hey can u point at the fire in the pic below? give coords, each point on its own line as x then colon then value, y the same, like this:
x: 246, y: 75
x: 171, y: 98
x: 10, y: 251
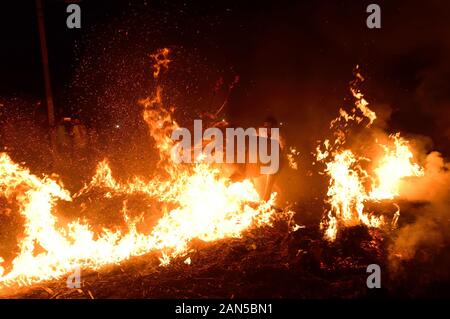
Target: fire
x: 199, y: 202
x: 351, y: 185
x: 395, y: 165
x: 346, y: 194
x: 161, y: 61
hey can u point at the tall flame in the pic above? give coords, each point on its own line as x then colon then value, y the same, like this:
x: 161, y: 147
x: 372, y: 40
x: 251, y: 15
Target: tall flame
x: 350, y: 185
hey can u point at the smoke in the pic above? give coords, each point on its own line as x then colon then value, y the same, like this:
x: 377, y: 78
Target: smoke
x: 434, y: 186
x: 431, y: 193
x: 433, y: 97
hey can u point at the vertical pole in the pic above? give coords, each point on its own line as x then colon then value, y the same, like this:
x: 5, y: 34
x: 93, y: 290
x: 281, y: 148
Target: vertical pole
x: 46, y: 71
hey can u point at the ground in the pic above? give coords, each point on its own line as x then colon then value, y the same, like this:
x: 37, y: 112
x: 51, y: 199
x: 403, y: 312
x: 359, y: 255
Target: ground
x: 268, y: 262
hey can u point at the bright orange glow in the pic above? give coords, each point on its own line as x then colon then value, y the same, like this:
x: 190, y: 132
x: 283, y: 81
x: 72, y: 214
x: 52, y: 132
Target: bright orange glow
x: 395, y: 165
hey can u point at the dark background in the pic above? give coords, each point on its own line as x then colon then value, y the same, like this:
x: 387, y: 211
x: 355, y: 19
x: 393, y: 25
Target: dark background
x: 294, y: 60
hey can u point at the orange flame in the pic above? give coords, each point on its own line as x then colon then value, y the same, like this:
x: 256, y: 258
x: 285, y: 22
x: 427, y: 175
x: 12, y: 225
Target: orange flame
x: 348, y: 191
x: 203, y: 205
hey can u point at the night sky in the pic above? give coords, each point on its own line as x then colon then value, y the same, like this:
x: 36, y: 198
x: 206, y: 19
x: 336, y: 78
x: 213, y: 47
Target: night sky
x: 294, y: 60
